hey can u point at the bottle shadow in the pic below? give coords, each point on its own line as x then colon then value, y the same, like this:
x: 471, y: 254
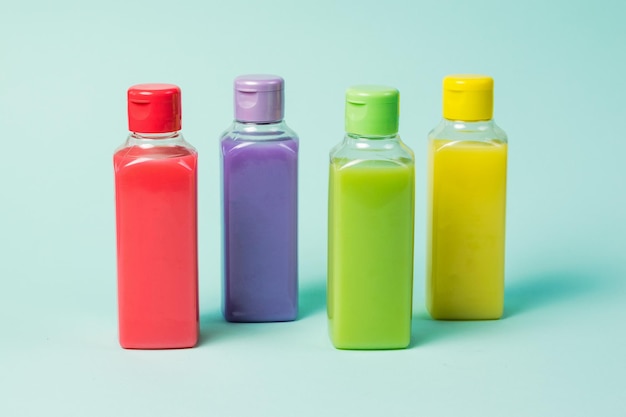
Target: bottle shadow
x: 544, y: 289
x: 521, y: 296
x: 213, y: 326
x: 312, y: 298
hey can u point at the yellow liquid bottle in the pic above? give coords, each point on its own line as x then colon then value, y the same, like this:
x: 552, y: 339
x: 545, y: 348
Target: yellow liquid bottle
x: 466, y: 205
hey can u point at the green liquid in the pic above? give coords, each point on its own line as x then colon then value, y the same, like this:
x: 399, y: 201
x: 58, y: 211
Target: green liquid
x: 370, y: 254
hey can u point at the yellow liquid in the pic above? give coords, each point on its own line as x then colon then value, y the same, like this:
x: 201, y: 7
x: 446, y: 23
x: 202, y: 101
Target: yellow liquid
x: 370, y: 254
x: 467, y: 199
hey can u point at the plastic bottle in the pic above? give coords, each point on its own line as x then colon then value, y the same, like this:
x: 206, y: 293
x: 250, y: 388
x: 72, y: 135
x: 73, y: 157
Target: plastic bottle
x: 155, y: 194
x: 260, y: 205
x: 467, y: 197
x: 370, y: 231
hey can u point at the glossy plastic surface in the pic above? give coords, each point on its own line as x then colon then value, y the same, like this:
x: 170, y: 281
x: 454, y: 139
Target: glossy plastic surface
x: 155, y: 190
x: 468, y: 97
x: 259, y: 98
x: 370, y: 243
x: 260, y: 222
x: 466, y: 221
x: 372, y: 110
x: 154, y: 108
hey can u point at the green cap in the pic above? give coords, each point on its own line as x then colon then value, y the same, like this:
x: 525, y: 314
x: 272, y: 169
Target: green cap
x: 372, y: 110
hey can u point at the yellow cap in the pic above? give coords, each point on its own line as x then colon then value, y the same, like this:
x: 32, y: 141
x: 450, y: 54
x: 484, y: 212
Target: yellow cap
x: 468, y: 97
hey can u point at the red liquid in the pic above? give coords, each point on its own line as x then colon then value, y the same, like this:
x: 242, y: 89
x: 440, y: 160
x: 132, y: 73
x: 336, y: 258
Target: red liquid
x: 157, y: 247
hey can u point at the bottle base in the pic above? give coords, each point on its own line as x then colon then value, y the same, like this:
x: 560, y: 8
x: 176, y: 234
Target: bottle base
x: 357, y: 347
x: 159, y: 343
x: 464, y: 315
x: 158, y: 346
x: 367, y: 346
x: 464, y: 318
x: 388, y: 343
x: 234, y: 317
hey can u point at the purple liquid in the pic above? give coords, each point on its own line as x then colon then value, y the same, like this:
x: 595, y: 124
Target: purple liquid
x: 260, y: 197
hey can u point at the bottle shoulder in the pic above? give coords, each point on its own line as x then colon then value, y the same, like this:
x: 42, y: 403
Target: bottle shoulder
x: 247, y: 140
x: 139, y: 150
x: 482, y: 131
x: 355, y: 150
x: 172, y: 143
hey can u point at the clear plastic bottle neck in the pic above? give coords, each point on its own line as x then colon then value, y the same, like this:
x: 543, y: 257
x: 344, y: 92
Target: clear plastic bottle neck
x: 257, y: 126
x: 355, y: 136
x: 154, y: 136
x: 156, y: 139
x: 478, y: 125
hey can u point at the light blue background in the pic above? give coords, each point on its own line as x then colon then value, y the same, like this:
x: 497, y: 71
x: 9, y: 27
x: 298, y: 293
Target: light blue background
x: 559, y: 68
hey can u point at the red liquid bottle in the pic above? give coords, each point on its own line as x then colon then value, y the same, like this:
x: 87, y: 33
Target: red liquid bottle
x: 156, y: 209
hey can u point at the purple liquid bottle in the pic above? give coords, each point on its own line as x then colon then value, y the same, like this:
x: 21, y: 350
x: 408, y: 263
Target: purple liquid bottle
x: 260, y: 205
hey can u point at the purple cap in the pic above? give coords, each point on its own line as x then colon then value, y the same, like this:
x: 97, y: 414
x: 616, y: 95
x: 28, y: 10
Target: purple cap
x: 259, y: 98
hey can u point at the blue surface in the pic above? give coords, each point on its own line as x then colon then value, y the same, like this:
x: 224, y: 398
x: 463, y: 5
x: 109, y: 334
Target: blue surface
x: 559, y: 72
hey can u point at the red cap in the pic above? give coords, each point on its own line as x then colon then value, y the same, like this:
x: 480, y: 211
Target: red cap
x: 154, y: 108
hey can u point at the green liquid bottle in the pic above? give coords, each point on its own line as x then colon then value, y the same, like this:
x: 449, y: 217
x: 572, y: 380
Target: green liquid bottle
x: 370, y: 230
